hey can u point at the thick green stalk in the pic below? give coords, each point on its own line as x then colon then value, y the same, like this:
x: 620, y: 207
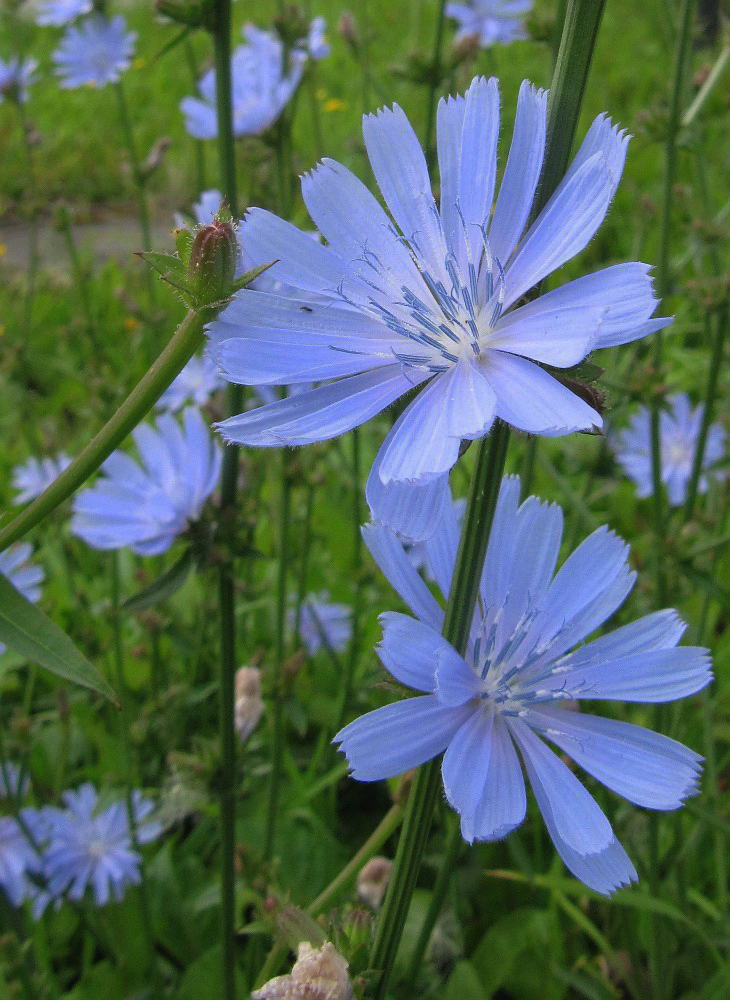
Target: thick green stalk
x: 139, y: 402
x: 481, y: 504
x: 229, y: 489
x: 664, y: 283
x: 580, y: 31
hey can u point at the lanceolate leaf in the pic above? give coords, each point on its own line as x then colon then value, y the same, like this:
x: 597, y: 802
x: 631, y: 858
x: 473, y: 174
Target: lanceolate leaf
x: 25, y: 629
x: 163, y: 587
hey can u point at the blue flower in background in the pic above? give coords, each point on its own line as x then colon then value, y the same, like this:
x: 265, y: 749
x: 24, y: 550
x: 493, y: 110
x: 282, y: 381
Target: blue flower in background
x: 24, y: 576
x: 19, y: 858
x: 323, y: 624
x: 34, y: 476
x: 512, y: 690
x: 94, y: 53
x: 317, y: 45
x: 435, y: 302
x: 204, y: 210
x: 493, y: 22
x: 16, y: 76
x: 196, y: 383
x: 56, y: 13
x: 148, y: 507
x: 679, y: 430
x: 260, y: 88
x: 92, y: 848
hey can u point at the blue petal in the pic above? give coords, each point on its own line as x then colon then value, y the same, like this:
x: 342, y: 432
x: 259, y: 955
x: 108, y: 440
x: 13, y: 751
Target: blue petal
x: 400, y: 170
x: 409, y: 650
x: 387, y: 551
x: 575, y: 814
x: 558, y: 333
x: 653, y: 676
x: 647, y: 768
x: 465, y: 765
x: 442, y: 546
x: 533, y: 401
x: 395, y: 738
x: 517, y: 191
x: 478, y: 165
x: 449, y: 127
x: 503, y: 803
x: 456, y: 682
x: 319, y: 414
x: 499, y: 562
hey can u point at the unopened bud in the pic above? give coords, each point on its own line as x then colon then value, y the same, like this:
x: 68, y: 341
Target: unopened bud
x: 347, y: 29
x: 318, y: 974
x: 213, y: 258
x: 194, y: 13
x: 373, y: 881
x: 249, y: 706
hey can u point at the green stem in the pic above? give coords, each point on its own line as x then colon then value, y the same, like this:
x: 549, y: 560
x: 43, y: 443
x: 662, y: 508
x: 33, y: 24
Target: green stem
x: 140, y: 182
x: 198, y: 145
x: 135, y: 407
x: 64, y: 225
x: 279, y: 721
x: 664, y: 282
x: 229, y: 489
x: 33, y: 235
x: 434, y: 85
x: 481, y: 504
x: 357, y: 570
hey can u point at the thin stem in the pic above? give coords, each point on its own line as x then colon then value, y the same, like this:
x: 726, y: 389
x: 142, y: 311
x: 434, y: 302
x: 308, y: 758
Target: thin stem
x: 279, y: 720
x: 433, y: 85
x: 33, y: 235
x: 357, y: 571
x: 481, y: 504
x: 304, y: 562
x: 64, y: 224
x: 229, y: 489
x: 198, y: 145
x: 135, y: 407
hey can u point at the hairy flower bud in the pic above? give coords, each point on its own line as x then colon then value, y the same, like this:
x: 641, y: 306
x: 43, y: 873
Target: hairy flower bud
x: 318, y: 974
x: 249, y: 706
x: 213, y: 257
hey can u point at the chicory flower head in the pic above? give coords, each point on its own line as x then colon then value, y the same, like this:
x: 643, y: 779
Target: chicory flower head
x: 679, y: 431
x: 57, y: 13
x: 323, y: 625
x: 16, y: 76
x: 434, y: 299
x: 513, y: 689
x: 493, y: 22
x: 19, y: 858
x: 24, y: 576
x: 260, y: 88
x: 92, y: 847
x: 196, y: 383
x: 34, y: 476
x: 317, y: 45
x: 147, y: 507
x: 94, y: 52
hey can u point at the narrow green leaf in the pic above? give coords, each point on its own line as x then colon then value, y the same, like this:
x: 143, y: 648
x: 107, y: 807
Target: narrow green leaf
x: 163, y: 587
x: 24, y: 628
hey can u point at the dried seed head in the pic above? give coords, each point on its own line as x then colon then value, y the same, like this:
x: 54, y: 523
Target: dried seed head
x: 249, y: 706
x: 373, y: 881
x: 318, y: 974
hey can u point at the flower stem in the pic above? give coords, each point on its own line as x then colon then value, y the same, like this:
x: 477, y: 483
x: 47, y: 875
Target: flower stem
x: 139, y: 179
x: 433, y: 86
x: 33, y: 234
x: 229, y: 489
x: 352, y: 654
x: 481, y: 504
x: 64, y: 224
x: 135, y: 407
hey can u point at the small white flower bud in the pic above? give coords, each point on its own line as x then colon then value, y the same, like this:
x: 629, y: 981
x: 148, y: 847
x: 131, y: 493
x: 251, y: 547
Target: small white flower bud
x: 318, y: 974
x: 373, y: 881
x: 249, y: 707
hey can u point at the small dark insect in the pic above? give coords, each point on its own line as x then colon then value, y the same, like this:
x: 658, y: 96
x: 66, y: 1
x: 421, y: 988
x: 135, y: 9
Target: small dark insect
x: 305, y: 309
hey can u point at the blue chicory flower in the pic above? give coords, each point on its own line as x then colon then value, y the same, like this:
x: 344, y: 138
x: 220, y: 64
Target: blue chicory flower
x: 260, y: 88
x: 89, y: 847
x: 493, y: 22
x: 24, y: 576
x: 514, y: 687
x: 436, y: 302
x: 204, y: 210
x: 679, y: 430
x: 196, y: 383
x: 57, y: 13
x: 34, y: 476
x: 16, y: 76
x: 94, y: 52
x: 148, y: 507
x: 317, y: 45
x: 19, y: 857
x: 322, y: 624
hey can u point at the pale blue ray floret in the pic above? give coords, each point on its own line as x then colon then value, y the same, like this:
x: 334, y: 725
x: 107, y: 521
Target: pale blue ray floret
x: 196, y: 383
x: 528, y: 661
x: 434, y: 297
x: 34, y: 476
x: 679, y: 431
x: 492, y: 22
x: 322, y: 624
x: 24, y: 576
x: 57, y: 13
x: 20, y: 860
x: 94, y: 52
x: 16, y: 76
x: 147, y: 507
x: 92, y: 847
x: 261, y: 88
